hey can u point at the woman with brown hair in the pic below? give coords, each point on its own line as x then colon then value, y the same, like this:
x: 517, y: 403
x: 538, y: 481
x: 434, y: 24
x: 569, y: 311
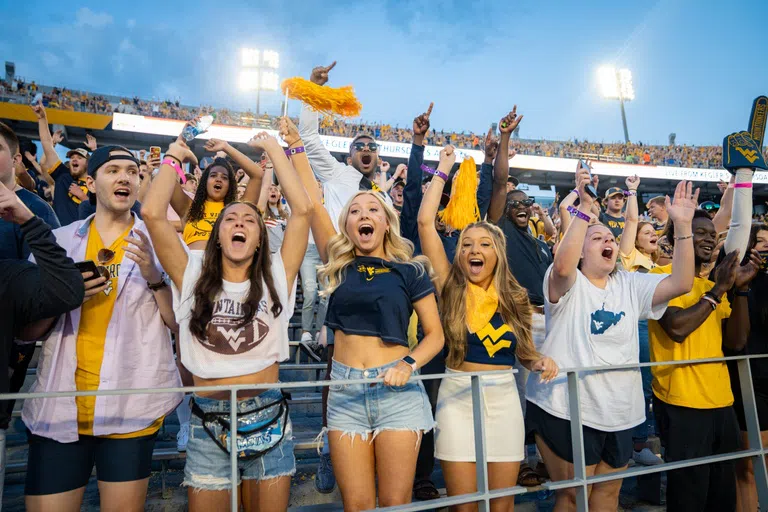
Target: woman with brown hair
x: 233, y: 306
x: 486, y: 317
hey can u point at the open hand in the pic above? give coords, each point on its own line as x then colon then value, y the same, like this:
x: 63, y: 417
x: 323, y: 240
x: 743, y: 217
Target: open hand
x: 90, y: 142
x: 57, y: 137
x: 744, y: 274
x: 76, y: 191
x: 140, y: 251
x: 684, y: 204
x: 725, y: 274
x: 491, y: 146
x: 421, y: 122
x: 319, y: 75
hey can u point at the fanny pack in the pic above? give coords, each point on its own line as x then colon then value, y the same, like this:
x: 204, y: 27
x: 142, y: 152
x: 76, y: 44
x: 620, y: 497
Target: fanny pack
x: 255, y: 436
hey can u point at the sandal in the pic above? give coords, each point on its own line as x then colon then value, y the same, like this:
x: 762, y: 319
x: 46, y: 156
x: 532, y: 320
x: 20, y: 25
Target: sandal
x: 541, y: 469
x: 528, y: 477
x: 424, y: 490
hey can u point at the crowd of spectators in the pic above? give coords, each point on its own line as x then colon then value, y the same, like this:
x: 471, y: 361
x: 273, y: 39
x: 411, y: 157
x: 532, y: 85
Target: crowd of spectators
x: 633, y: 153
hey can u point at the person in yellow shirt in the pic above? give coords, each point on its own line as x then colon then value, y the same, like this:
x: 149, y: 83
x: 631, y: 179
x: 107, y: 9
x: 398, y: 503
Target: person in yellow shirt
x: 693, y: 403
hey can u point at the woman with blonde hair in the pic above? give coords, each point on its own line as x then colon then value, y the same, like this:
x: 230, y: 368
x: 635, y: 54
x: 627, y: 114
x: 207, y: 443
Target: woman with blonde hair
x: 374, y: 283
x: 486, y: 317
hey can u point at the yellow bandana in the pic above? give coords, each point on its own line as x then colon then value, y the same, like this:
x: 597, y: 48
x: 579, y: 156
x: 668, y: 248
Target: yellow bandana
x: 481, y: 306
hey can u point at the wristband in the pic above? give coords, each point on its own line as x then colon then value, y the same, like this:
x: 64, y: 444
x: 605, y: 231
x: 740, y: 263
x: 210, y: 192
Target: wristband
x: 628, y: 193
x: 434, y: 172
x: 575, y: 191
x: 712, y: 296
x: 744, y: 293
x: 158, y: 285
x: 742, y: 185
x: 683, y: 237
x: 711, y: 301
x: 169, y: 160
x: 293, y: 151
x: 579, y: 214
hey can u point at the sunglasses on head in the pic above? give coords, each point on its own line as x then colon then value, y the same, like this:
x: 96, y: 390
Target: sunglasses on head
x: 514, y: 203
x: 359, y: 146
x: 104, y: 256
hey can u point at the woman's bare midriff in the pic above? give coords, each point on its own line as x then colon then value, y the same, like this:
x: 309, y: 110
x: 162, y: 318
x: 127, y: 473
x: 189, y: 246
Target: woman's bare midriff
x: 480, y: 367
x: 365, y: 351
x: 265, y: 376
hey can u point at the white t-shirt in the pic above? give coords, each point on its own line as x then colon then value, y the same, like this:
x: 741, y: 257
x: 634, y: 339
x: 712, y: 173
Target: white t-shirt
x: 230, y: 352
x: 590, y: 326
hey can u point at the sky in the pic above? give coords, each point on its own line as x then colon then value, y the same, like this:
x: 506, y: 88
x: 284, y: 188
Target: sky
x: 697, y: 64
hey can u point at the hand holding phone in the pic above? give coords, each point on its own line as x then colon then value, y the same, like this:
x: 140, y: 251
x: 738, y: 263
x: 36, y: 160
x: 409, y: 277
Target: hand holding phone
x: 590, y: 189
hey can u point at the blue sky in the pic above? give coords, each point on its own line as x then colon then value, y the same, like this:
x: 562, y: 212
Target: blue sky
x: 697, y: 64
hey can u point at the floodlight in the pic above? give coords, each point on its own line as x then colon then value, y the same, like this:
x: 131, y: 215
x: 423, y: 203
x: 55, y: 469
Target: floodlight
x: 250, y: 57
x: 270, y: 59
x: 249, y: 79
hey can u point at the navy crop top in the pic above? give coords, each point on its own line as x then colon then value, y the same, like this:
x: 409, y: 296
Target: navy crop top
x: 493, y: 344
x: 376, y: 298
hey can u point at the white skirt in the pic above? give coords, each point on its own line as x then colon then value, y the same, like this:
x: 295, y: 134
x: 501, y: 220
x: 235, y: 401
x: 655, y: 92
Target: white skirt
x: 504, y: 426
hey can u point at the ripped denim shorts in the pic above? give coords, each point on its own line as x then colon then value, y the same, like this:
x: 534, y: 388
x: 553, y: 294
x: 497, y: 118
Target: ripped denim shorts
x: 372, y: 408
x: 207, y: 466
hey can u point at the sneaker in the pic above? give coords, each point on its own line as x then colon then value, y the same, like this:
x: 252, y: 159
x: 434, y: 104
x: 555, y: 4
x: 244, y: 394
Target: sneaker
x: 182, y: 438
x: 325, y: 481
x: 313, y: 350
x: 646, y: 457
x: 306, y: 337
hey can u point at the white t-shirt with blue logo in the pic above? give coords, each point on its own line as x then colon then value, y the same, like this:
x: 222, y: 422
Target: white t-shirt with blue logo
x: 590, y: 326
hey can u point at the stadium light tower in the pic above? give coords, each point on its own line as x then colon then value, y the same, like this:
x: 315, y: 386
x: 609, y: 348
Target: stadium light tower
x: 259, y: 72
x: 616, y: 84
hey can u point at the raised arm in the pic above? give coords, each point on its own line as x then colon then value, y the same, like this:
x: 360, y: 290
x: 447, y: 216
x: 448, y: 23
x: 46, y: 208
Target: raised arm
x: 485, y: 188
x: 46, y: 140
x: 680, y: 212
x: 39, y: 170
x: 501, y: 167
x: 543, y: 214
x: 152, y: 164
x: 297, y: 229
x: 431, y: 245
x: 412, y: 195
x: 723, y: 215
x: 168, y: 246
x: 565, y: 265
x: 565, y: 215
x: 263, y: 201
x: 320, y: 221
x: 254, y: 171
x: 324, y: 165
x: 628, y: 237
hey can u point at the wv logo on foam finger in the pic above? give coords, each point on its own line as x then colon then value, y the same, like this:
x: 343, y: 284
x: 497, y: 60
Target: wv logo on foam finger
x: 491, y: 338
x: 750, y: 154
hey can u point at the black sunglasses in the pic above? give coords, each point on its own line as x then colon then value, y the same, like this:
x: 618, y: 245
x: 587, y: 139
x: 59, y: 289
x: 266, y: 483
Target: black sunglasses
x: 359, y: 146
x: 516, y: 204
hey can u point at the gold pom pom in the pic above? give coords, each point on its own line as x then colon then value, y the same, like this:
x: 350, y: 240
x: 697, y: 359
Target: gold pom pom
x: 462, y: 209
x: 328, y: 100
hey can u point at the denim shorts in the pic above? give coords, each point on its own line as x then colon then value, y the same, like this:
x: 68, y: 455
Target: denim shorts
x: 208, y: 466
x: 372, y: 408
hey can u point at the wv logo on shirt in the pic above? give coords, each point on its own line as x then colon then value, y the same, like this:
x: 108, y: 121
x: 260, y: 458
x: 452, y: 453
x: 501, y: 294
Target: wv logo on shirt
x: 371, y: 272
x: 232, y: 336
x: 491, y: 338
x: 602, y: 320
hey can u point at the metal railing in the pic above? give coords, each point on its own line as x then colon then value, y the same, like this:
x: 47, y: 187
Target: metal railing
x: 483, y: 495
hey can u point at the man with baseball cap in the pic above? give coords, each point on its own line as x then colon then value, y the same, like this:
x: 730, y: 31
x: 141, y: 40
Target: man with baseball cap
x: 118, y: 338
x: 512, y: 183
x: 70, y: 187
x: 612, y: 216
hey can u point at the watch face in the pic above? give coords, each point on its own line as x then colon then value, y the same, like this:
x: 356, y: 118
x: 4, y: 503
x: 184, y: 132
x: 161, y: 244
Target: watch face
x: 409, y: 360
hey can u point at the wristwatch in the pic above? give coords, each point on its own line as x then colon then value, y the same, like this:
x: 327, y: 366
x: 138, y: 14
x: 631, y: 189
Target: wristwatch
x: 160, y: 284
x: 410, y: 362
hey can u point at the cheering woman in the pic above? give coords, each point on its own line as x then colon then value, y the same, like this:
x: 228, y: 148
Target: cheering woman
x: 233, y: 305
x: 375, y: 284
x: 486, y: 317
x: 592, y: 313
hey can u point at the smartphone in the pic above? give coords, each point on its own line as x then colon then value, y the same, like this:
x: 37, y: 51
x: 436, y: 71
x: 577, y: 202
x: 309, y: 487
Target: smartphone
x: 589, y: 188
x: 88, y: 266
x: 37, y: 99
x: 154, y: 151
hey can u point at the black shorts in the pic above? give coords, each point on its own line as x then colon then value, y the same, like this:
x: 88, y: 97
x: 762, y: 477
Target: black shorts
x: 55, y: 467
x: 613, y: 448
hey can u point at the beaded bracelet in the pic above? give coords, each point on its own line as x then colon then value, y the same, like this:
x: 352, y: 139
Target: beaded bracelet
x: 434, y: 172
x: 579, y: 214
x: 711, y: 301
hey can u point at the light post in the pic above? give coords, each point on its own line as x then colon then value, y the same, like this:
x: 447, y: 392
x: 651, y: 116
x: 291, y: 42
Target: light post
x: 259, y: 72
x: 616, y: 84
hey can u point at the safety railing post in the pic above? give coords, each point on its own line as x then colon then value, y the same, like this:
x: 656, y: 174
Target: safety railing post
x: 481, y: 460
x: 753, y: 431
x: 233, y: 473
x: 577, y: 442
